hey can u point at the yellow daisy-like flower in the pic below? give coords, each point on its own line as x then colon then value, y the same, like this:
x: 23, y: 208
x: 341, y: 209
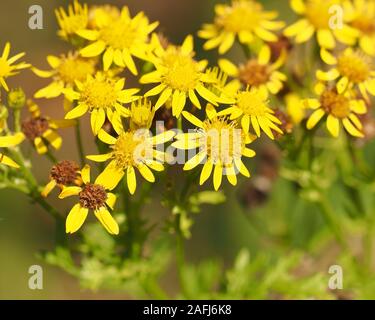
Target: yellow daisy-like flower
x: 101, y: 16
x: 251, y: 106
x: 92, y: 196
x: 339, y: 108
x: 72, y: 21
x: 8, y: 142
x: 352, y: 69
x: 63, y: 174
x: 317, y: 15
x: 120, y: 40
x: 221, y: 87
x: 66, y: 69
x: 141, y: 114
x: 102, y: 96
x: 260, y: 72
x: 130, y: 150
x: 245, y: 19
x: 7, y: 66
x: 42, y: 131
x: 179, y: 75
x: 362, y: 18
x: 221, y: 143
x: 295, y: 107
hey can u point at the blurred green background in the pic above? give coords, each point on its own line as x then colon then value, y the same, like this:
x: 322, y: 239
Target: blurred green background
x: 218, y: 231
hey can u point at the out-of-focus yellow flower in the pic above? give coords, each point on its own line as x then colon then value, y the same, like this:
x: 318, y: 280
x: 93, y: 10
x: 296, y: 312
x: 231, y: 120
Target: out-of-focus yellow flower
x: 9, y: 141
x: 42, y: 131
x: 220, y: 85
x: 362, y: 18
x: 102, y: 96
x: 92, y: 196
x: 63, y: 174
x: 72, y: 21
x: 316, y: 18
x: 259, y: 72
x: 101, y: 16
x: 130, y: 150
x: 66, y: 69
x: 245, y: 19
x: 120, y: 41
x: 295, y: 107
x: 251, y: 106
x: 179, y: 76
x: 141, y: 114
x: 222, y: 144
x: 351, y: 69
x: 339, y: 108
x: 7, y: 66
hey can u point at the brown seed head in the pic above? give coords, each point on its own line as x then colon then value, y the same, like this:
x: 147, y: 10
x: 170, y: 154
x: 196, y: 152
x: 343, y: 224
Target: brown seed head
x: 93, y: 196
x: 65, y: 172
x: 34, y: 127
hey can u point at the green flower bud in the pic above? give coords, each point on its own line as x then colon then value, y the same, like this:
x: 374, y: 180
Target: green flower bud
x: 16, y: 98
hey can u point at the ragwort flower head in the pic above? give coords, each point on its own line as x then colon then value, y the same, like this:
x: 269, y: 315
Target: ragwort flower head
x: 251, y: 109
x: 120, y: 41
x: 245, y: 19
x: 7, y: 66
x: 316, y: 19
x: 42, y: 131
x: 63, y: 174
x: 259, y: 72
x: 92, y: 196
x: 142, y: 114
x: 66, y: 69
x: 102, y: 16
x: 72, y: 21
x: 339, y: 108
x: 179, y: 76
x: 362, y: 18
x: 351, y: 69
x: 221, y: 143
x: 102, y: 96
x: 130, y: 150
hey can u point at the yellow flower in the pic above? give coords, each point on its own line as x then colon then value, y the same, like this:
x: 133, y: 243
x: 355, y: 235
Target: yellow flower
x: 63, y: 174
x: 141, y: 114
x: 42, y: 130
x: 221, y: 143
x: 260, y: 72
x: 295, y: 107
x: 102, y: 96
x: 7, y: 142
x: 131, y: 149
x: 362, y: 13
x: 316, y: 18
x: 243, y: 18
x: 72, y: 21
x: 351, y: 69
x: 101, y: 16
x: 179, y: 76
x: 120, y: 40
x: 338, y: 108
x: 7, y: 69
x: 251, y: 106
x: 66, y: 69
x: 221, y: 87
x: 92, y: 196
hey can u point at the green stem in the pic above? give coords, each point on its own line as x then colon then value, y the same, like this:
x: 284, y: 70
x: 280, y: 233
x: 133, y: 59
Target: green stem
x: 369, y: 243
x: 180, y: 254
x: 34, y: 192
x: 333, y: 223
x: 51, y: 157
x: 79, y: 142
x: 17, y: 120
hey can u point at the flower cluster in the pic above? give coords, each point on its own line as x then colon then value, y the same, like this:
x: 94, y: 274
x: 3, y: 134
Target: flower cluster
x: 122, y: 74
